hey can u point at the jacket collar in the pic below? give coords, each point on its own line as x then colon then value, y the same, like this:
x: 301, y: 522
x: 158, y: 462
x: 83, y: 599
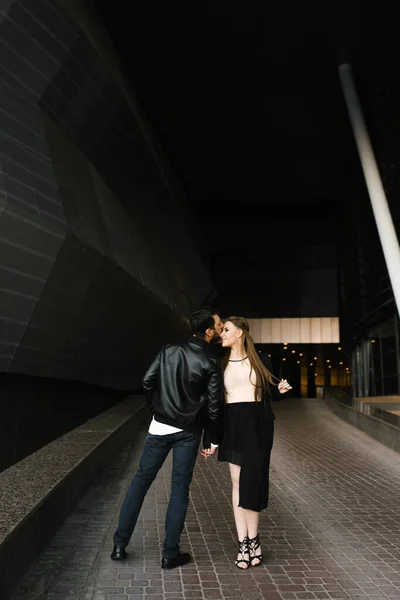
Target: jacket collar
x: 199, y: 341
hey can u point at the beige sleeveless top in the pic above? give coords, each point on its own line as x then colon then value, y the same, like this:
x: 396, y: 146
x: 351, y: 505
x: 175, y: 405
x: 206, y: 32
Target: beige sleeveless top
x: 238, y: 386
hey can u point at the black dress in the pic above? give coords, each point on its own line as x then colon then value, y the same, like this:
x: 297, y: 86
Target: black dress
x: 247, y: 442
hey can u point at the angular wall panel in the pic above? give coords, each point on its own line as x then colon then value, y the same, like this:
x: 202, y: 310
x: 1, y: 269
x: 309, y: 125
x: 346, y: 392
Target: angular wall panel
x: 97, y: 263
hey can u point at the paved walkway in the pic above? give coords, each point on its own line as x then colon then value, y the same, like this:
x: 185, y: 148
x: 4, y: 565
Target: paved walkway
x: 331, y: 530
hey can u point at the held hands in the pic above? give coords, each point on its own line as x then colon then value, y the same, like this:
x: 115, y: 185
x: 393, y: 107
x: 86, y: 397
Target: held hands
x: 207, y: 452
x: 284, y: 386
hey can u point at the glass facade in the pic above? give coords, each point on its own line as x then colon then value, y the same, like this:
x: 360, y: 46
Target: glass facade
x: 309, y: 367
x: 368, y: 312
x: 376, y: 361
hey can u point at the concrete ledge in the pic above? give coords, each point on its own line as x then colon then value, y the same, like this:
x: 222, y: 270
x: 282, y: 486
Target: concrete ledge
x: 37, y: 493
x: 356, y: 413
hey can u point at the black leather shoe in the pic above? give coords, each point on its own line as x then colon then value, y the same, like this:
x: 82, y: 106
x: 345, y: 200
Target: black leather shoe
x: 183, y: 558
x: 118, y: 553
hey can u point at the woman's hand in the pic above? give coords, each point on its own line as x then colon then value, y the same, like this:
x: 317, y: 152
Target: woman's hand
x: 207, y: 452
x: 284, y: 386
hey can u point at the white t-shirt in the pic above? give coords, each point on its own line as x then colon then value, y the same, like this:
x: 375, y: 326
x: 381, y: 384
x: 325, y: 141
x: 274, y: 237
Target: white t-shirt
x: 157, y: 428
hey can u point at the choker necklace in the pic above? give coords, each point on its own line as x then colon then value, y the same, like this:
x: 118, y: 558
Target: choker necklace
x: 239, y: 359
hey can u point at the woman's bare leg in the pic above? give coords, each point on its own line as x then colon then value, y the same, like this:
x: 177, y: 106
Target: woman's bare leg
x: 238, y: 512
x: 252, y: 518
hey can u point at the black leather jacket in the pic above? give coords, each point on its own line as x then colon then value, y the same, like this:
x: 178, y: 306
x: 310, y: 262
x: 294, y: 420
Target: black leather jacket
x: 184, y: 388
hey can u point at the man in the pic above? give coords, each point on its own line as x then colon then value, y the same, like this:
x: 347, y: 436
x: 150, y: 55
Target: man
x: 184, y: 390
x: 216, y: 345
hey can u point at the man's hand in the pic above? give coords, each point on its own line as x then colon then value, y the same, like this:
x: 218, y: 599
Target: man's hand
x: 207, y: 452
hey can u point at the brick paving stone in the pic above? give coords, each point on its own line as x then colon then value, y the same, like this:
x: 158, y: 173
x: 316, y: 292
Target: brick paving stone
x: 332, y: 530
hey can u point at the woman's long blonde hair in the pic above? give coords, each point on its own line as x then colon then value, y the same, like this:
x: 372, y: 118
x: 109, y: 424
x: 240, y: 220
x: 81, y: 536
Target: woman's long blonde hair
x: 264, y: 378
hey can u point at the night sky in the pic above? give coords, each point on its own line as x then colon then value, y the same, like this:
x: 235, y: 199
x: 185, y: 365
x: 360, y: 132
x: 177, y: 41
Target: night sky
x: 245, y: 100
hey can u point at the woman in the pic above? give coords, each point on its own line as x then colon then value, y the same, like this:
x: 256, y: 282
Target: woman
x: 248, y: 434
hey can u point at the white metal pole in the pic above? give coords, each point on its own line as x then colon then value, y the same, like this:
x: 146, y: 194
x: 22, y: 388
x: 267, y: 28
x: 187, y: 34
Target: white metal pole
x: 383, y: 218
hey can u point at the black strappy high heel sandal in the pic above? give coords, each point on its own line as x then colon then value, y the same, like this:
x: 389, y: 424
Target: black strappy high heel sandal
x: 254, y: 544
x: 243, y: 550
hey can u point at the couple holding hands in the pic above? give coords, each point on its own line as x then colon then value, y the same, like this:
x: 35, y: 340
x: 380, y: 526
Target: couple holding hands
x: 222, y: 392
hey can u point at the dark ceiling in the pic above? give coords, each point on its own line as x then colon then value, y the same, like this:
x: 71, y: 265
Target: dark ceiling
x: 246, y: 101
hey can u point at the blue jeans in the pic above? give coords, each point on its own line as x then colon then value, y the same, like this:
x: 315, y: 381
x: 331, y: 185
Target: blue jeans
x: 185, y: 448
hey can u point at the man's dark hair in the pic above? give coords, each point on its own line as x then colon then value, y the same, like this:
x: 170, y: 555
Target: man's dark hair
x: 200, y: 320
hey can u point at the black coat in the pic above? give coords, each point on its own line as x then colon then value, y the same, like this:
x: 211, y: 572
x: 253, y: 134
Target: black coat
x: 274, y: 396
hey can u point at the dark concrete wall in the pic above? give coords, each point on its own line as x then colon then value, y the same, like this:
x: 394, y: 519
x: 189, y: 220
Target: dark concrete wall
x: 34, y: 411
x: 97, y: 262
x: 39, y: 492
